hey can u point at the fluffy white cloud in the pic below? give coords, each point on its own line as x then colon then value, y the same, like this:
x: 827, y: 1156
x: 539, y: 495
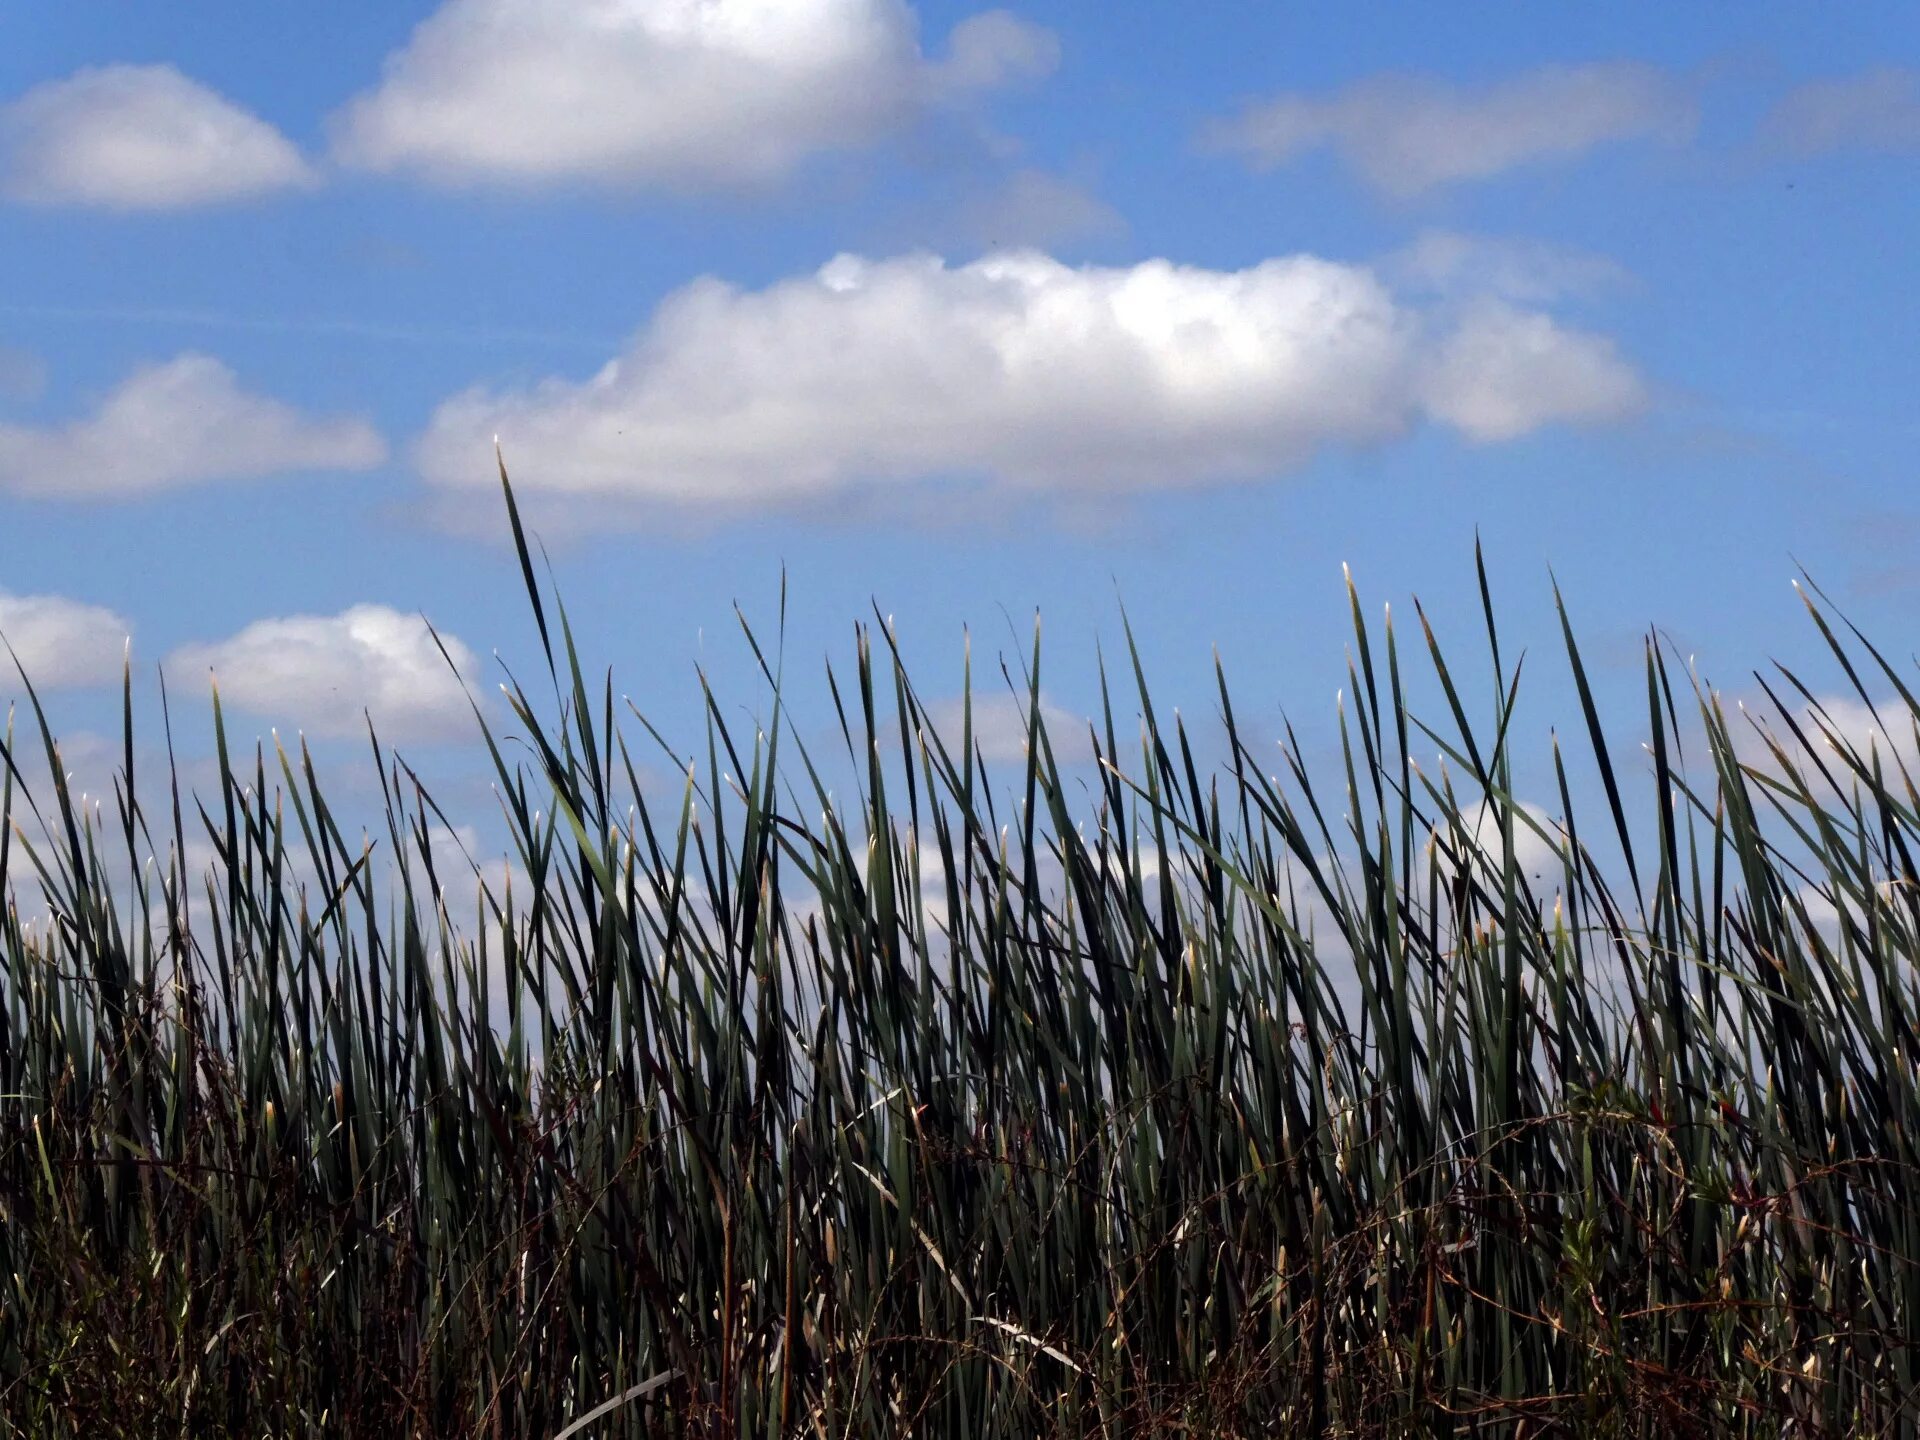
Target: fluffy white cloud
x: 1021, y: 370
x: 1537, y: 861
x: 691, y: 93
x: 61, y: 642
x: 1504, y: 372
x: 175, y: 424
x: 324, y: 673
x: 1840, y: 730
x: 139, y: 137
x: 1406, y: 134
x: 1000, y: 728
x: 1877, y: 109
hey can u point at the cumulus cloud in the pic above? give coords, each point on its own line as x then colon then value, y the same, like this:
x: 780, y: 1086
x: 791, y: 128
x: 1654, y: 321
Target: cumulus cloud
x: 176, y: 424
x: 1000, y: 728
x: 1877, y: 109
x: 1504, y: 372
x: 1021, y: 371
x: 1840, y: 731
x: 1535, y: 859
x: 62, y: 643
x: 688, y: 93
x: 324, y: 673
x: 139, y: 137
x: 1407, y: 134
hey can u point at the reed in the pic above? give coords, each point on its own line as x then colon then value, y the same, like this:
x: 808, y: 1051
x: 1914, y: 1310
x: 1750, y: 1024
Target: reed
x: 1192, y: 1101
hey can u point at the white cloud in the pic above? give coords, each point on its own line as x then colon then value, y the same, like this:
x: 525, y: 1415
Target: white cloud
x: 463, y: 861
x: 1877, y: 109
x: 176, y: 424
x: 321, y: 672
x: 1017, y: 369
x: 62, y: 643
x: 1504, y: 372
x: 1848, y: 723
x: 1836, y: 913
x: 1407, y: 134
x: 690, y: 93
x: 1000, y: 728
x: 1535, y: 860
x: 1838, y: 730
x: 139, y: 137
x: 88, y: 761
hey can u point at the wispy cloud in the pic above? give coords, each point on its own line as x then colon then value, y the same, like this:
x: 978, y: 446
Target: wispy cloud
x: 23, y: 375
x: 1876, y: 109
x: 1524, y: 271
x: 1037, y: 208
x: 170, y: 317
x: 1407, y: 135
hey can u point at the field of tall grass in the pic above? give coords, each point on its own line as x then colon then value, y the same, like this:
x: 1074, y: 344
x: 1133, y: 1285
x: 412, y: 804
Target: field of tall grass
x: 1192, y: 1100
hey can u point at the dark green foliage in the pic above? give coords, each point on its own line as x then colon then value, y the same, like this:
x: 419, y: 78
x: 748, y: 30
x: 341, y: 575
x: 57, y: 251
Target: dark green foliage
x: 1191, y: 1104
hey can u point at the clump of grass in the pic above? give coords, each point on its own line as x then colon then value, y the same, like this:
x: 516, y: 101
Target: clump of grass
x: 1206, y: 1103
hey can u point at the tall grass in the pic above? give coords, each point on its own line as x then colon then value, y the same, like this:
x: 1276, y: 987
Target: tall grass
x: 1191, y: 1101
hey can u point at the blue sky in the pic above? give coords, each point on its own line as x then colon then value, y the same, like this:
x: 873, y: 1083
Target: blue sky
x: 1179, y: 308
